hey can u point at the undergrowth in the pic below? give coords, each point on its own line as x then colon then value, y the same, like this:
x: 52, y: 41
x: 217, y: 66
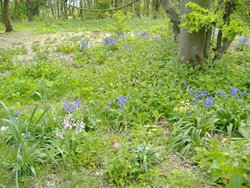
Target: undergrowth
x: 119, y: 111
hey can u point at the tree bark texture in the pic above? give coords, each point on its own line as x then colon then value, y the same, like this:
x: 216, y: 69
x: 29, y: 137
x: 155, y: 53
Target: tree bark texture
x: 173, y: 15
x: 192, y: 45
x: 6, y: 17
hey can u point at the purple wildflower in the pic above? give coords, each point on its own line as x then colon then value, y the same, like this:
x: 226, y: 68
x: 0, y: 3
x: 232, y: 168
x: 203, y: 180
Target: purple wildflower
x: 115, y: 144
x: 145, y: 35
x: 84, y: 45
x: 157, y: 36
x: 78, y: 103
x: 196, y: 97
x: 204, y: 94
x: 244, y: 93
x: 16, y: 112
x: 208, y: 102
x: 122, y: 100
x: 109, y: 41
x: 15, y: 119
x: 191, y: 91
x: 109, y: 101
x: 122, y: 35
x: 69, y: 106
x: 234, y: 91
x: 184, y: 82
x: 220, y: 92
x: 26, y: 134
x: 108, y: 108
x: 243, y: 40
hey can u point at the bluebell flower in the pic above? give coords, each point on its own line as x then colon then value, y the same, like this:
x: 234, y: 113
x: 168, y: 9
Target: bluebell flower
x: 220, y: 92
x: 145, y: 35
x: 109, y: 101
x: 26, y: 134
x: 109, y: 41
x: 121, y: 35
x: 234, y: 91
x: 157, y: 36
x: 15, y: 119
x: 69, y: 106
x: 244, y: 93
x: 196, y: 97
x: 208, y: 102
x: 204, y: 94
x: 84, y: 45
x: 122, y: 100
x: 184, y: 82
x: 78, y: 103
x: 243, y: 40
x: 16, y: 112
x: 191, y: 91
x: 108, y: 108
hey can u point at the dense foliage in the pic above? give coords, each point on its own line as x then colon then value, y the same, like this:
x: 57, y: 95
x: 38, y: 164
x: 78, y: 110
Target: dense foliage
x: 105, y: 109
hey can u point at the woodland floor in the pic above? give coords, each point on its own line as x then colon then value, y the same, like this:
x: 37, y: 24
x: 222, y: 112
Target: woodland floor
x: 28, y: 39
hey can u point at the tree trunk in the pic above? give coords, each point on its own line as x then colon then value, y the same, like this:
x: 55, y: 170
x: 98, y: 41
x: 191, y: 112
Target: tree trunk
x: 30, y: 12
x: 81, y: 6
x: 6, y: 17
x: 192, y: 45
x: 1, y: 4
x: 146, y: 7
x: 173, y: 15
x: 157, y: 5
x: 138, y: 9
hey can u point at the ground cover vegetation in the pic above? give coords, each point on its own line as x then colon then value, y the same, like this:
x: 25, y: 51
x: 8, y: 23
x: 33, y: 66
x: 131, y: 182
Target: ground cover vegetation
x: 103, y: 103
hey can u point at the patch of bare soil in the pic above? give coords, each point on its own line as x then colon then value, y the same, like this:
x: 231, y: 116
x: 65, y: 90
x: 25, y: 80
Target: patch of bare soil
x: 46, y: 41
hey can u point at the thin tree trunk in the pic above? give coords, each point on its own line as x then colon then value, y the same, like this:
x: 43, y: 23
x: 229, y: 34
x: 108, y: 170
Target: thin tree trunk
x: 81, y: 6
x: 1, y: 4
x: 157, y: 5
x: 30, y: 14
x: 115, y: 3
x: 146, y: 7
x: 58, y: 9
x: 6, y: 17
x: 138, y: 9
x: 222, y: 50
x: 208, y: 42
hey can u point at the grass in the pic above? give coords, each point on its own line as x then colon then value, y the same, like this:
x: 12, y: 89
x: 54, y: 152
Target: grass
x: 99, y: 25
x: 120, y: 114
